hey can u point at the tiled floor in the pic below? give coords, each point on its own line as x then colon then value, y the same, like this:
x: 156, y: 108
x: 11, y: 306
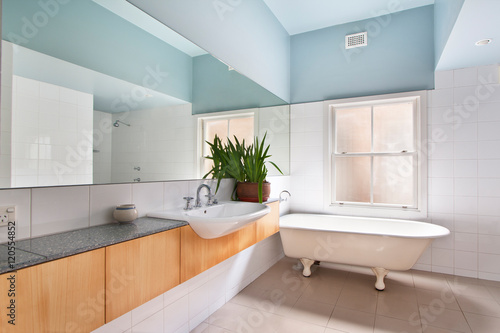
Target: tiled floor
x: 335, y: 301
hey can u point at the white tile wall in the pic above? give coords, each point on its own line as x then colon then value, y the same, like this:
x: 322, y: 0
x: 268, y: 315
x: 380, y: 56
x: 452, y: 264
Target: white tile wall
x: 51, y: 140
x: 58, y: 209
x: 465, y: 182
x: 103, y: 200
x: 306, y: 157
x: 6, y: 114
x: 159, y: 141
x: 102, y: 147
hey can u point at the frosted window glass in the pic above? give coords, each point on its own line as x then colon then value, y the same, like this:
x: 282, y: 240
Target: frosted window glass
x: 393, y: 180
x: 242, y: 128
x: 352, y: 179
x: 353, y: 130
x: 216, y: 127
x: 393, y: 127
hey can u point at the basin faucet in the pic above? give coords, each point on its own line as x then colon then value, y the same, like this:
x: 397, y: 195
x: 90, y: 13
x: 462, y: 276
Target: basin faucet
x: 210, y: 196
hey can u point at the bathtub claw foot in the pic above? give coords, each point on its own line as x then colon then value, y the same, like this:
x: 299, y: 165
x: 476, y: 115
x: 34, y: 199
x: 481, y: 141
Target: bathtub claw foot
x: 380, y: 273
x: 307, y: 266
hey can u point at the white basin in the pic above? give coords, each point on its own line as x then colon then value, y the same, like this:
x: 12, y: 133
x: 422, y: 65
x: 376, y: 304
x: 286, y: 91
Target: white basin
x: 218, y: 220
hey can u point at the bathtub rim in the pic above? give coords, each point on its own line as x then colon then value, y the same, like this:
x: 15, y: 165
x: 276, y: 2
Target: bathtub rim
x: 440, y: 231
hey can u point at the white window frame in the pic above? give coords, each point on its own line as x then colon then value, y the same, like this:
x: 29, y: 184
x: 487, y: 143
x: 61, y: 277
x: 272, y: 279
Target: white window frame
x: 225, y: 115
x: 419, y: 209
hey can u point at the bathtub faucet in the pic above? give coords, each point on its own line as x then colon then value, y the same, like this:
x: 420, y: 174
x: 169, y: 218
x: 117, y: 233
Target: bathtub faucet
x: 284, y: 199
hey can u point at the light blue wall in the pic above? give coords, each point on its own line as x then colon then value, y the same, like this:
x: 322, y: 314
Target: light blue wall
x: 399, y: 57
x: 215, y: 88
x: 99, y: 40
x: 243, y: 33
x: 445, y: 15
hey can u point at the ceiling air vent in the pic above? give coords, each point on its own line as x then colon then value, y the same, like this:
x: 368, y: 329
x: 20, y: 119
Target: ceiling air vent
x: 356, y: 40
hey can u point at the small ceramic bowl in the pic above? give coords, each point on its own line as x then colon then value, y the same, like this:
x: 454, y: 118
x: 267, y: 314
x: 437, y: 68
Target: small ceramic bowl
x: 125, y: 213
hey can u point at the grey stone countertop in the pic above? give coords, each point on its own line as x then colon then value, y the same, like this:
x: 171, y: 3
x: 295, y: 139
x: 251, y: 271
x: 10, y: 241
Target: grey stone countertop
x: 34, y: 251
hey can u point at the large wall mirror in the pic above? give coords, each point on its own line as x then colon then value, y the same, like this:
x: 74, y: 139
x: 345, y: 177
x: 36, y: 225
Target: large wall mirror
x: 96, y: 91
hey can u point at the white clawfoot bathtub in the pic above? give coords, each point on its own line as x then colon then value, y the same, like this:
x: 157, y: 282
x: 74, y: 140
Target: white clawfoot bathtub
x: 382, y: 244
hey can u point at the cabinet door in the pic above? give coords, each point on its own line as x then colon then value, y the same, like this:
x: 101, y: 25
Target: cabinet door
x: 139, y: 270
x: 269, y: 224
x: 64, y: 295
x: 199, y: 254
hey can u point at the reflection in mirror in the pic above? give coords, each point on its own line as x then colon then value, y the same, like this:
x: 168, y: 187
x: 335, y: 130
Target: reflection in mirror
x: 96, y: 91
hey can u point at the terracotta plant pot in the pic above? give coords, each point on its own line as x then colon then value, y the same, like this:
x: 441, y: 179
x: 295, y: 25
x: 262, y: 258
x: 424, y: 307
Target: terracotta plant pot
x: 250, y: 191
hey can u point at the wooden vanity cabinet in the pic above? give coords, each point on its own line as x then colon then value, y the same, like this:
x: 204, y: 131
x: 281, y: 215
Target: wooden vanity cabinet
x: 140, y: 270
x: 199, y: 254
x: 65, y: 295
x: 269, y: 224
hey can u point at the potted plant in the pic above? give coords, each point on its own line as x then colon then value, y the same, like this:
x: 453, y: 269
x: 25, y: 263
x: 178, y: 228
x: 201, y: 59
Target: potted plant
x: 247, y: 165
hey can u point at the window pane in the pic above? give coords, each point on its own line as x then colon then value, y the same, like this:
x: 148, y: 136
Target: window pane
x: 352, y: 179
x: 213, y: 127
x: 393, y: 127
x: 242, y: 128
x: 353, y: 132
x: 393, y: 180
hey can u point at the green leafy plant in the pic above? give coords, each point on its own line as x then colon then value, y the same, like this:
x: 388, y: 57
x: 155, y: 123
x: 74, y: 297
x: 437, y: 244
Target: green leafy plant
x: 235, y: 160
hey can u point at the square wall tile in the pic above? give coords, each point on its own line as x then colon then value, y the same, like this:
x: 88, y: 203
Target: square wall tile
x: 489, y: 244
x: 59, y: 209
x: 104, y: 199
x: 173, y: 193
x: 176, y: 314
x: 442, y: 257
x: 465, y: 77
x: 465, y: 205
x: 488, y: 74
x: 443, y: 79
x: 466, y: 242
x: 466, y: 223
x: 488, y: 225
x: 489, y: 263
x: 148, y: 197
x: 465, y: 168
x: 21, y: 198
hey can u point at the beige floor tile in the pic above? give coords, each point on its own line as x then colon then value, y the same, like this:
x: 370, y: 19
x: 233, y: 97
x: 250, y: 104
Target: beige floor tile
x: 205, y: 328
x: 231, y: 316
x: 311, y: 312
x: 430, y: 281
x: 398, y: 308
x: 437, y: 299
x: 364, y: 283
x: 468, y: 287
x: 431, y: 329
x: 404, y: 278
x: 282, y: 324
x: 490, y: 283
x: 348, y: 320
x: 483, y: 324
x: 444, y: 318
x: 495, y: 292
x: 391, y: 325
x: 323, y: 293
x: 358, y: 300
x: 331, y: 330
x: 398, y: 292
x: 478, y: 305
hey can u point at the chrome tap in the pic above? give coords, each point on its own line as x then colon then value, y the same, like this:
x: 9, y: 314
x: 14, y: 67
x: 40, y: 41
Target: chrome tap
x: 285, y: 199
x: 210, y: 196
